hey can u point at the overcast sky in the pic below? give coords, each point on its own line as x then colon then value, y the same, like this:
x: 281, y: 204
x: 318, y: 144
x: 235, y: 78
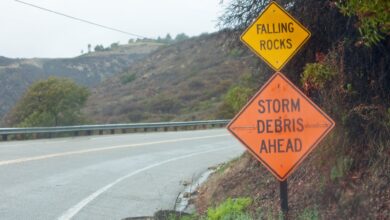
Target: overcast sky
x: 30, y: 32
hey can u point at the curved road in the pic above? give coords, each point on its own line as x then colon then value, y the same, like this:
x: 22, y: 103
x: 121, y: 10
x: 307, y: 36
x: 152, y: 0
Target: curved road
x: 105, y: 177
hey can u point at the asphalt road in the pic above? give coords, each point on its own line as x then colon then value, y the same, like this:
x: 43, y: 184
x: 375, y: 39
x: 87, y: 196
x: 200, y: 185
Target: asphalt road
x: 105, y: 177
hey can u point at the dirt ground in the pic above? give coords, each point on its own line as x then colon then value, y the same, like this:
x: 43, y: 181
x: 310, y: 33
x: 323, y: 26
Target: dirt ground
x: 312, y: 193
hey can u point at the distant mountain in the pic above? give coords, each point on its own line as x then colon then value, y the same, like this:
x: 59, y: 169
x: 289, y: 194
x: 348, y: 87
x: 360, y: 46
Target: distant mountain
x: 89, y: 69
x: 180, y: 81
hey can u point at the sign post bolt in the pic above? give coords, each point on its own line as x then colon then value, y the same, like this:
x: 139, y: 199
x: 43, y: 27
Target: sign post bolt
x: 284, y: 199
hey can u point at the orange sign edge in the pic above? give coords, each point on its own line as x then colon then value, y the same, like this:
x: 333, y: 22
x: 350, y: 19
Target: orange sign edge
x: 296, y: 165
x: 293, y: 54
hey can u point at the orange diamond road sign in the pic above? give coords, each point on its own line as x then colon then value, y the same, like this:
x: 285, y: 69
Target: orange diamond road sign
x: 275, y: 36
x: 280, y: 126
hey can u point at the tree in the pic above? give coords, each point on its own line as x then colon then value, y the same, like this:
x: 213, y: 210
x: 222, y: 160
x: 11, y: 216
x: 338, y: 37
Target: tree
x: 51, y: 102
x: 114, y: 45
x: 99, y: 48
x: 167, y: 39
x: 240, y: 13
x: 181, y: 37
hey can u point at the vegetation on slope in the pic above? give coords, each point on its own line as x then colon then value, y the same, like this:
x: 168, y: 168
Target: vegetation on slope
x: 347, y: 176
x: 16, y: 75
x: 181, y: 81
x: 51, y: 102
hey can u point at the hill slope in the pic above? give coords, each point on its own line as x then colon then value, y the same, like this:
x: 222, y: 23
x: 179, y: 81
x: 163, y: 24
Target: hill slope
x: 89, y: 70
x: 347, y: 176
x: 181, y: 81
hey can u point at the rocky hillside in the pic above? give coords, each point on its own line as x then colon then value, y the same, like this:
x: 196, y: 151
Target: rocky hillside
x: 88, y: 69
x: 181, y: 81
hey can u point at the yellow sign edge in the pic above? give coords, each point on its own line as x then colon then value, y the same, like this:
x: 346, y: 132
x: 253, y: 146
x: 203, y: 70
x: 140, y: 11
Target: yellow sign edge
x: 290, y: 16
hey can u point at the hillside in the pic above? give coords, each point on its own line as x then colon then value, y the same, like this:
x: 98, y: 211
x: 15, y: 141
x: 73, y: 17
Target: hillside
x: 181, y: 81
x: 88, y: 69
x: 348, y: 75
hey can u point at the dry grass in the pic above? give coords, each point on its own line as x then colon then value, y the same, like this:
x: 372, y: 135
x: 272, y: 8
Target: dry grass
x: 181, y: 81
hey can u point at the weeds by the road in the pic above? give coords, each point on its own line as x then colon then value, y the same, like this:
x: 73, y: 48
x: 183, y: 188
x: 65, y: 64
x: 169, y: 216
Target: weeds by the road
x: 230, y: 209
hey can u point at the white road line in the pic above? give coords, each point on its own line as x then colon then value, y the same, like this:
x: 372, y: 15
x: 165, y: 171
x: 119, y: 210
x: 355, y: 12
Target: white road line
x: 4, y: 145
x: 116, y: 136
x: 47, y: 156
x: 70, y: 213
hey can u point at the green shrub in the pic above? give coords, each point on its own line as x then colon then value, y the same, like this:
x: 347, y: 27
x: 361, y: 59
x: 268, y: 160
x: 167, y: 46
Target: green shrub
x: 373, y: 18
x: 163, y: 104
x: 127, y: 78
x: 237, y: 97
x: 234, y: 100
x: 316, y: 75
x: 235, y: 52
x: 341, y: 167
x: 231, y: 209
x: 136, y: 116
x: 51, y: 102
x: 309, y: 214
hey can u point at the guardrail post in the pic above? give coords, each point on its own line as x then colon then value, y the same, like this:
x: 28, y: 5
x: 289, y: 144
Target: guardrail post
x: 100, y: 132
x: 165, y: 128
x: 76, y: 133
x: 124, y: 131
x: 4, y: 137
x: 89, y: 132
x: 112, y: 131
x: 145, y: 129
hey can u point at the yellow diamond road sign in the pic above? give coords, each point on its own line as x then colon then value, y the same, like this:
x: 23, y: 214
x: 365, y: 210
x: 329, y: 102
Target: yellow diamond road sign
x: 275, y: 36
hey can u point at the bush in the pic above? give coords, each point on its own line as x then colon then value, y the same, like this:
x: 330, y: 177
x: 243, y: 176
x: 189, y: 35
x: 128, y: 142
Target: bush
x: 136, y: 116
x: 231, y: 209
x: 233, y: 101
x: 128, y: 78
x: 316, y: 75
x: 342, y: 166
x: 162, y: 104
x: 309, y: 214
x: 373, y: 18
x: 51, y: 102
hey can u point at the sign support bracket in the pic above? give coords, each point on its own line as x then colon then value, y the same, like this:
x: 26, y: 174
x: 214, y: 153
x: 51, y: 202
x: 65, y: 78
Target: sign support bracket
x: 284, y: 198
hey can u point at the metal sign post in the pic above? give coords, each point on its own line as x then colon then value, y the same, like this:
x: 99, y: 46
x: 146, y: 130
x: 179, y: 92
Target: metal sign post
x: 284, y: 198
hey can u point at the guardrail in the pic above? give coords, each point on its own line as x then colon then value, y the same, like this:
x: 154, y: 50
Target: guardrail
x: 22, y: 133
